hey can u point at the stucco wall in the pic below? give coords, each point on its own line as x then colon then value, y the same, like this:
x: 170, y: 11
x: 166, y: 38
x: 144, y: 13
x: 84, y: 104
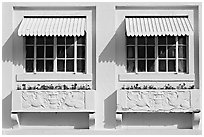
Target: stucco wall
x: 108, y: 56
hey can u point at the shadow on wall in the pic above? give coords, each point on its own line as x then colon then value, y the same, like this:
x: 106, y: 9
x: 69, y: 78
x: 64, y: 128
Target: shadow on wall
x: 106, y: 56
x: 110, y: 110
x: 179, y: 120
x: 7, y: 61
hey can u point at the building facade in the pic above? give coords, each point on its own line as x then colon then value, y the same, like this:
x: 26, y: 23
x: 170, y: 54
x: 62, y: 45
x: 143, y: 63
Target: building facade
x: 101, y: 65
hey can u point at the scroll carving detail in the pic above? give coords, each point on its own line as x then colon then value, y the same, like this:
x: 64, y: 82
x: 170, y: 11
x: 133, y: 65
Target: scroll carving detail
x: 53, y: 100
x: 158, y: 100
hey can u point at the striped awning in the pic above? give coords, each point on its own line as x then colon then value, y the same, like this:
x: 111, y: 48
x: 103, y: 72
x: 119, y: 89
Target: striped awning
x: 158, y: 26
x: 43, y: 26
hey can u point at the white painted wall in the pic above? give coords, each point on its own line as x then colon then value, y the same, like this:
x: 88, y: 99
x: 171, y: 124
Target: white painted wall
x: 108, y: 56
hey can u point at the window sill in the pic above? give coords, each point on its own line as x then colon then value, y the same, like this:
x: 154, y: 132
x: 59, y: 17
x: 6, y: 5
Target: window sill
x: 155, y: 77
x: 53, y: 77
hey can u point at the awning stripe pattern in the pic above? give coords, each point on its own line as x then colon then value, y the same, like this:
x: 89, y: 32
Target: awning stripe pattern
x: 158, y: 26
x: 52, y: 27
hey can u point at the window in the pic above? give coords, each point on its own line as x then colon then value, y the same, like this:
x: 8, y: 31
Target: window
x: 157, y: 54
x: 55, y: 54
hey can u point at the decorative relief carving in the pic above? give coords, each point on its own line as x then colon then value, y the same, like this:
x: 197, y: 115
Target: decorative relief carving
x: 53, y: 100
x: 158, y: 100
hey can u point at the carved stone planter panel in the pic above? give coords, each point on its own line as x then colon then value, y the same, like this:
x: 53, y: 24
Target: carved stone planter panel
x: 157, y: 101
x: 54, y: 100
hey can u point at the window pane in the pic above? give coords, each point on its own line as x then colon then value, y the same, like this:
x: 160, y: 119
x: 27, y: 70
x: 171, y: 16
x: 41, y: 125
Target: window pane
x: 60, y: 40
x: 141, y: 65
x: 171, y: 40
x: 49, y: 65
x: 141, y: 51
x: 49, y: 52
x: 60, y: 51
x: 40, y: 52
x: 60, y: 65
x: 80, y: 51
x: 150, y: 51
x: 161, y: 40
x: 162, y: 52
x: 70, y: 51
x: 70, y: 66
x: 150, y: 40
x: 171, y: 65
x: 29, y: 52
x: 150, y: 65
x: 130, y: 66
x: 81, y: 40
x: 29, y: 40
x: 49, y: 40
x: 162, y: 65
x: 39, y: 65
x: 69, y: 40
x: 141, y: 40
x: 29, y: 65
x: 182, y: 65
x: 130, y: 40
x: 130, y: 51
x: 182, y: 52
x: 80, y: 65
x: 40, y: 40
x: 182, y: 40
x: 171, y: 51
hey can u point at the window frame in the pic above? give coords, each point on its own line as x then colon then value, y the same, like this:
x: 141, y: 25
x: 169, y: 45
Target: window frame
x: 156, y: 56
x: 55, y: 57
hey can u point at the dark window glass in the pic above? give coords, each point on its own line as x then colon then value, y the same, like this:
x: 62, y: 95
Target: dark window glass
x: 182, y: 40
x: 162, y: 52
x: 182, y: 52
x: 49, y: 66
x: 60, y: 65
x: 69, y: 40
x: 70, y: 51
x: 81, y: 40
x: 40, y: 41
x: 29, y: 65
x: 40, y: 52
x: 49, y: 40
x: 60, y: 51
x: 29, y: 51
x: 162, y: 65
x: 141, y: 65
x: 70, y: 65
x: 130, y: 52
x: 130, y: 40
x: 80, y: 65
x: 171, y: 65
x: 49, y: 52
x: 171, y: 40
x: 29, y: 40
x: 171, y: 51
x: 141, y: 51
x: 60, y: 40
x: 182, y: 65
x: 151, y: 40
x: 150, y: 51
x: 150, y: 65
x: 141, y: 40
x: 39, y: 65
x: 80, y: 51
x: 161, y: 40
x: 130, y: 66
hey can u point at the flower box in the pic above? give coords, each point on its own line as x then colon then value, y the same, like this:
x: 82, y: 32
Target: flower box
x: 157, y: 100
x: 53, y: 101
